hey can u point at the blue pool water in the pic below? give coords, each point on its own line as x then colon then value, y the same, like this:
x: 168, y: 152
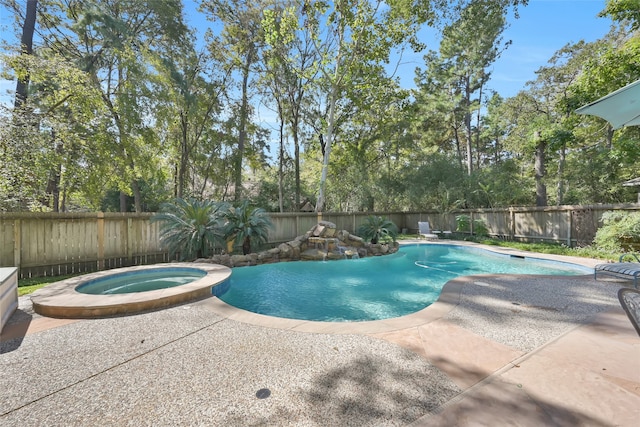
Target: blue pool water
x: 370, y: 288
x: 141, y: 281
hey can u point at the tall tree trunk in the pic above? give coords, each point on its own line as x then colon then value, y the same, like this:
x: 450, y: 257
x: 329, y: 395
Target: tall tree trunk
x: 184, y: 155
x: 336, y: 80
x: 63, y: 201
x: 327, y: 148
x: 296, y: 150
x: 541, y: 189
x: 137, y: 195
x: 281, y: 165
x: 55, y: 174
x: 456, y: 137
x: 467, y: 125
x: 26, y: 42
x: 123, y: 201
x: 242, y: 132
x: 477, y: 132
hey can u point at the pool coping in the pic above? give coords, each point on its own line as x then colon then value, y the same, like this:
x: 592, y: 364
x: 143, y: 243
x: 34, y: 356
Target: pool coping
x: 61, y: 300
x: 449, y: 298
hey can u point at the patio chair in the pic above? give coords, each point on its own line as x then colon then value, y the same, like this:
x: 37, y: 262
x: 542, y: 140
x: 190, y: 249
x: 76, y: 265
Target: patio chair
x: 625, y: 270
x: 630, y: 302
x: 425, y: 231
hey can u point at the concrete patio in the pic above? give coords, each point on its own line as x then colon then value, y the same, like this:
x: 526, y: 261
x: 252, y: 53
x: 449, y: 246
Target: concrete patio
x: 494, y: 350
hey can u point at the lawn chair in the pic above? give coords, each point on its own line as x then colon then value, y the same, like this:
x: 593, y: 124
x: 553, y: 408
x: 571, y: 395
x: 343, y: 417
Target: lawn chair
x: 626, y: 270
x: 630, y: 302
x: 425, y: 231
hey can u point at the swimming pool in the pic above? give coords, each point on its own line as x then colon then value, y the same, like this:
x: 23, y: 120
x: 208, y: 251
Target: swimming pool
x: 371, y: 288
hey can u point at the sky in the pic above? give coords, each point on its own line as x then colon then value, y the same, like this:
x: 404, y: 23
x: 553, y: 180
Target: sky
x: 544, y: 26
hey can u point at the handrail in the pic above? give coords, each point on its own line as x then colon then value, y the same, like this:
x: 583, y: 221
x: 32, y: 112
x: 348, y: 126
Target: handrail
x: 635, y: 255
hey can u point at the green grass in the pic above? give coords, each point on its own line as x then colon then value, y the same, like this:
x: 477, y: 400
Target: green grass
x: 550, y: 248
x: 539, y: 247
x: 32, y: 284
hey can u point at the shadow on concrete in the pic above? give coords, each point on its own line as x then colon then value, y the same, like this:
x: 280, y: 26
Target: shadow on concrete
x: 370, y: 390
x: 497, y: 402
x: 14, y: 331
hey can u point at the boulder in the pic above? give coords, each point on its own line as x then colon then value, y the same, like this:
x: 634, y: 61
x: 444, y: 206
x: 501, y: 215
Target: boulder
x: 321, y: 242
x: 285, y: 250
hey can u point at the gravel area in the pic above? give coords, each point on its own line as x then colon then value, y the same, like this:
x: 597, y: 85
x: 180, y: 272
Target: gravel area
x: 186, y: 366
x: 525, y: 312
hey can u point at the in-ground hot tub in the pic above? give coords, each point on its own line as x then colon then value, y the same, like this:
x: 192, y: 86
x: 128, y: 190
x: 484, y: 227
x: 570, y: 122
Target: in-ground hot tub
x: 130, y: 290
x: 141, y: 280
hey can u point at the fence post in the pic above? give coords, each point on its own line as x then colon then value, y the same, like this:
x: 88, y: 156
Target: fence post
x: 512, y: 228
x: 471, y: 223
x: 129, y: 241
x: 100, y: 225
x: 17, y: 244
x: 570, y: 226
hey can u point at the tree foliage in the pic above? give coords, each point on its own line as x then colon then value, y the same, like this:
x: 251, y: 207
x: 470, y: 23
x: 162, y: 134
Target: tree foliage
x: 126, y: 107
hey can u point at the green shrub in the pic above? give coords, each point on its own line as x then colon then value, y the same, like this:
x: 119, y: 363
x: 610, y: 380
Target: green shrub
x: 376, y: 229
x: 191, y: 228
x: 620, y: 232
x: 463, y: 225
x: 247, y: 225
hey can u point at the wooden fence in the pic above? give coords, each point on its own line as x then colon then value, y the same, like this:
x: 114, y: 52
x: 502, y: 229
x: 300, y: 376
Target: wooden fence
x: 43, y: 244
x: 56, y: 244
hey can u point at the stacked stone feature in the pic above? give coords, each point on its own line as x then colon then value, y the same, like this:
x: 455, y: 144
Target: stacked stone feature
x: 323, y: 242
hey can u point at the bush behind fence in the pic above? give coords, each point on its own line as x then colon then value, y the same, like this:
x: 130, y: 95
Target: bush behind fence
x: 52, y: 244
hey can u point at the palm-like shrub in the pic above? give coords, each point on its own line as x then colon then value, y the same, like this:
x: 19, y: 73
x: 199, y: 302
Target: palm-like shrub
x: 247, y: 225
x: 376, y: 229
x: 191, y: 228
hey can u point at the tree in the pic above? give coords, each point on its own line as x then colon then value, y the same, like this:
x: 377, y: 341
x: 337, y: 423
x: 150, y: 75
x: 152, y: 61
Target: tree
x: 470, y: 44
x: 349, y: 37
x: 624, y: 11
x: 44, y: 147
x: 26, y: 45
x: 114, y: 43
x: 289, y: 68
x: 191, y: 100
x: 237, y: 49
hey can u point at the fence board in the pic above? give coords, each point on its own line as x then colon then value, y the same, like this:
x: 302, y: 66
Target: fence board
x: 52, y: 244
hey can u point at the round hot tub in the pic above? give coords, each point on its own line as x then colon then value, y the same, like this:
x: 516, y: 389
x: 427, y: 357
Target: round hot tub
x: 141, y: 281
x: 130, y: 290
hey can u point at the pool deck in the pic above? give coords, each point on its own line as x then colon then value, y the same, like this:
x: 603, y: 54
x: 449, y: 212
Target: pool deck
x: 494, y: 350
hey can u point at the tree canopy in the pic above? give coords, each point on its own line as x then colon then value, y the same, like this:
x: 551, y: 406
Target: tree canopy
x: 121, y: 105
